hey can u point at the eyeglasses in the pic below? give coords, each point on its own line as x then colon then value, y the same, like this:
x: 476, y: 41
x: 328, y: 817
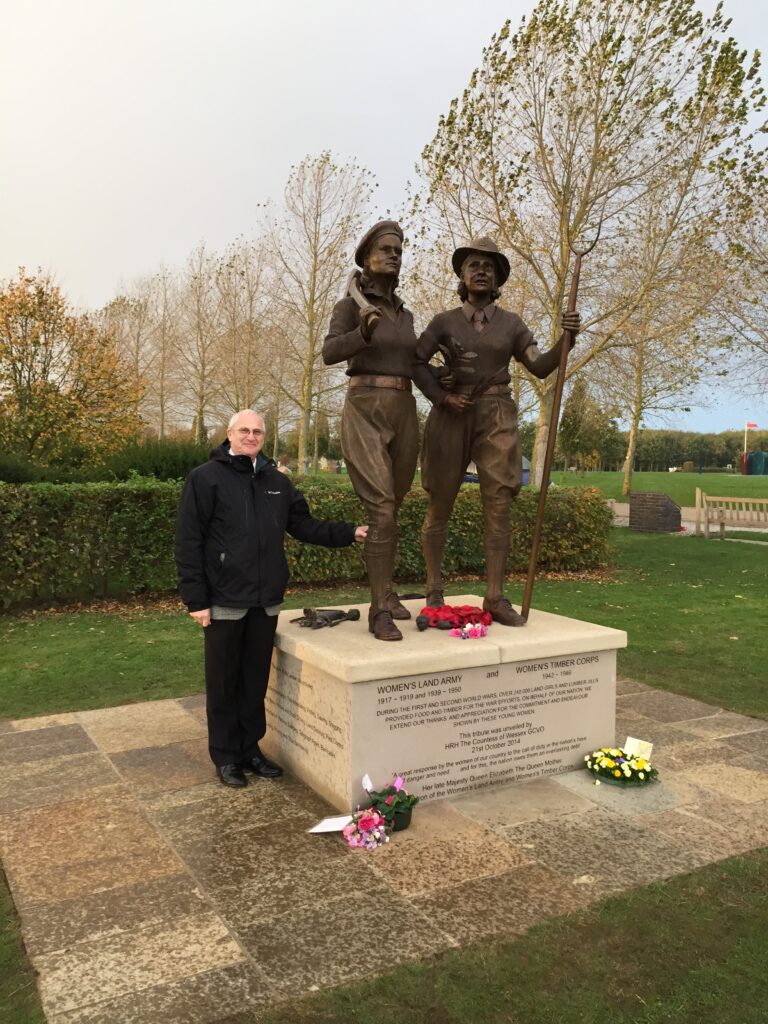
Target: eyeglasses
x: 244, y: 432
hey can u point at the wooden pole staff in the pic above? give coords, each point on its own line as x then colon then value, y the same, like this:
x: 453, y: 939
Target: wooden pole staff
x: 553, y: 421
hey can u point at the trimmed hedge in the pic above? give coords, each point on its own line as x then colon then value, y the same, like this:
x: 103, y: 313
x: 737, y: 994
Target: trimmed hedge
x: 164, y: 460
x: 77, y: 540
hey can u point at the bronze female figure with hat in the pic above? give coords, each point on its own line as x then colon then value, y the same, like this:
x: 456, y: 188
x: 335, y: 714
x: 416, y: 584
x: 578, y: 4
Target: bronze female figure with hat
x: 379, y: 429
x: 473, y: 416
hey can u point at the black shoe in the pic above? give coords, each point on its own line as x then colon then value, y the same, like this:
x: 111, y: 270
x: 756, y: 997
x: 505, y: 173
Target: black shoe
x: 231, y: 775
x: 263, y: 767
x: 435, y: 599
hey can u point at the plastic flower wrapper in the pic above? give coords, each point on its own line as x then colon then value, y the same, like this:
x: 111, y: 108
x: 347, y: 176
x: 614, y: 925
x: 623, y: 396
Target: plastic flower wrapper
x: 366, y: 831
x: 615, y: 765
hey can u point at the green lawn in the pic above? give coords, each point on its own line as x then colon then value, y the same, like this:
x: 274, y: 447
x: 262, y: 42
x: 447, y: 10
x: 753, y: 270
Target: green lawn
x: 681, y: 487
x: 694, y: 611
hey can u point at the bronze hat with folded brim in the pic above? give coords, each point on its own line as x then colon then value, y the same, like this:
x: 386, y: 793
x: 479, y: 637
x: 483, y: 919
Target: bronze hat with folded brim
x: 486, y: 247
x: 384, y: 227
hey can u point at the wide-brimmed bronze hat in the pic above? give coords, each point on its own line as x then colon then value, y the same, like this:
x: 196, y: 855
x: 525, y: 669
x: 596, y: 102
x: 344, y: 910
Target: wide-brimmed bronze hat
x: 384, y: 227
x: 487, y: 247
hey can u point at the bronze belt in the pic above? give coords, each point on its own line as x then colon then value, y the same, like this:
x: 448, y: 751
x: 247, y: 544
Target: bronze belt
x: 492, y: 389
x: 367, y: 380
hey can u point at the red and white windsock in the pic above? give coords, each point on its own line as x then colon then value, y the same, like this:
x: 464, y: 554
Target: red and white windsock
x: 748, y: 426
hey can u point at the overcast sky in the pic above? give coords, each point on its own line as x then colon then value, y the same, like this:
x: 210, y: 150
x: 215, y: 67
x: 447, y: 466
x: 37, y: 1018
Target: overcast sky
x: 131, y: 130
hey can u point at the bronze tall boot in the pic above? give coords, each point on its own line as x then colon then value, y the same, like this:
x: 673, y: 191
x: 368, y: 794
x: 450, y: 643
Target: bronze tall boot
x: 495, y: 574
x: 391, y: 598
x: 433, y: 546
x: 379, y: 560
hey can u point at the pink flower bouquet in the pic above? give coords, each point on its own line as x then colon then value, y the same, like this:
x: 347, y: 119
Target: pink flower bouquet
x: 367, y: 830
x: 470, y: 632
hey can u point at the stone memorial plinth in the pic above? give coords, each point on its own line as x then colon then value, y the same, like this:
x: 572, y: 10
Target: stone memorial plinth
x: 653, y: 512
x: 450, y: 715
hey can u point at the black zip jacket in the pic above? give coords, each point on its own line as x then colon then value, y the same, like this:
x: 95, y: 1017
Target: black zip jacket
x: 231, y: 528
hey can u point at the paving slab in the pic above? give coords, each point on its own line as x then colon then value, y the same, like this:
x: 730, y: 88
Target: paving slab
x: 711, y: 841
x: 150, y: 724
x: 44, y: 722
x: 661, y: 734
x: 747, y: 824
x: 741, y: 784
x: 49, y: 927
x: 749, y: 742
x: 635, y: 802
x: 107, y: 968
x: 662, y: 706
x: 24, y: 786
x: 202, y: 998
x: 440, y: 850
x: 334, y: 941
x: 167, y: 767
x: 615, y: 852
x: 752, y: 761
x: 683, y: 755
x: 497, y: 905
x: 625, y: 686
x: 69, y: 850
x: 521, y: 801
x: 24, y: 748
x: 727, y: 723
x: 285, y: 873
x: 150, y: 893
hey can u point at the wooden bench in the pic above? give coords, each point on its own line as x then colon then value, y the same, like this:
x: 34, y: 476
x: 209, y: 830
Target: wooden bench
x: 731, y: 512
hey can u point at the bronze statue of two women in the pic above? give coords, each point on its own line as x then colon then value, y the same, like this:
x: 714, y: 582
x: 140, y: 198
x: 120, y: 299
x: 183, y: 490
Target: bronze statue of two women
x: 473, y: 416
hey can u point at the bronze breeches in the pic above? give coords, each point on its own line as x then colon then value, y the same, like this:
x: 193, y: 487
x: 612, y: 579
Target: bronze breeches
x: 380, y: 444
x: 487, y: 435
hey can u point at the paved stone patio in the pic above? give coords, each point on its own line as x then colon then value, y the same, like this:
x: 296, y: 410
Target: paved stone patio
x: 150, y: 893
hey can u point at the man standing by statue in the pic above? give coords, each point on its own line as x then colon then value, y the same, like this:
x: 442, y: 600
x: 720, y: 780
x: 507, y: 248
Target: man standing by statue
x: 230, y: 537
x: 473, y: 416
x: 373, y: 331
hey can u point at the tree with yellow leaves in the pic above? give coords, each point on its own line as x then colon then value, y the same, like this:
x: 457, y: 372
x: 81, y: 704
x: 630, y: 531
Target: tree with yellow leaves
x: 65, y: 395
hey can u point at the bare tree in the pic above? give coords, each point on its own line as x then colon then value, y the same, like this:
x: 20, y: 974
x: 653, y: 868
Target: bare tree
x: 246, y: 352
x: 310, y: 245
x: 128, y: 316
x: 672, y: 343
x: 164, y: 382
x: 199, y: 338
x: 144, y: 317
x: 743, y: 308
